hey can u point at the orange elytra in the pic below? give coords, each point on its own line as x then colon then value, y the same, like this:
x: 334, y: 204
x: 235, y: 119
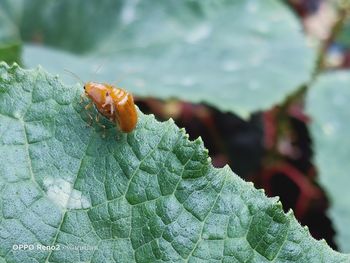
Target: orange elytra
x: 114, y: 103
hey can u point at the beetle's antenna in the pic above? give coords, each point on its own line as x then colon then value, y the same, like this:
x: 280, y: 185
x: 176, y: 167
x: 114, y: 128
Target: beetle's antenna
x: 74, y: 76
x: 123, y: 77
x: 99, y: 67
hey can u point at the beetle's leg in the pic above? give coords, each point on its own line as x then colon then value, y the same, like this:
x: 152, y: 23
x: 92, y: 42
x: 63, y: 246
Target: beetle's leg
x: 103, y: 129
x: 82, y: 97
x: 91, y: 119
x: 119, y: 134
x: 97, y: 119
x: 88, y: 106
x: 101, y: 125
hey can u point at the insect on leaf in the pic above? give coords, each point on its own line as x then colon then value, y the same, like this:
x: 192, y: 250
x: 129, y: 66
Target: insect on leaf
x: 147, y: 196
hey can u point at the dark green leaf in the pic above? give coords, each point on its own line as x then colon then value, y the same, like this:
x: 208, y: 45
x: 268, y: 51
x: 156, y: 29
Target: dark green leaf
x: 239, y: 56
x: 328, y: 105
x: 148, y: 196
x: 10, y: 44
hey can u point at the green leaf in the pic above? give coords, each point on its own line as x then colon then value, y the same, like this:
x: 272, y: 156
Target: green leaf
x: 343, y: 37
x: 239, y: 56
x: 10, y: 44
x: 103, y: 196
x: 328, y: 105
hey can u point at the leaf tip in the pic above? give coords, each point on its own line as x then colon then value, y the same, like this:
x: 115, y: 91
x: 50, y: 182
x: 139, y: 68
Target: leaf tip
x: 323, y: 241
x: 171, y: 121
x: 279, y: 204
x: 262, y: 190
x: 290, y: 213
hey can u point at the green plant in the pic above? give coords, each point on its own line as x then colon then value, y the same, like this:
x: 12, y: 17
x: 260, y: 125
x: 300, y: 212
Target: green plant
x: 148, y: 196
x: 153, y: 195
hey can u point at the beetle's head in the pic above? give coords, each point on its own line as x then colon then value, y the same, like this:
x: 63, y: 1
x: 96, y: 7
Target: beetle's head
x: 97, y: 92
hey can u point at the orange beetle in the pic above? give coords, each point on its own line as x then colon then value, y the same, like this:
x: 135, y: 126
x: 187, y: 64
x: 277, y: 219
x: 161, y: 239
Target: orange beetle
x: 114, y: 103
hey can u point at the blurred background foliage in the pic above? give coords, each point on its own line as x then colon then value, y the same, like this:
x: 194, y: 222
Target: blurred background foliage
x: 236, y: 73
